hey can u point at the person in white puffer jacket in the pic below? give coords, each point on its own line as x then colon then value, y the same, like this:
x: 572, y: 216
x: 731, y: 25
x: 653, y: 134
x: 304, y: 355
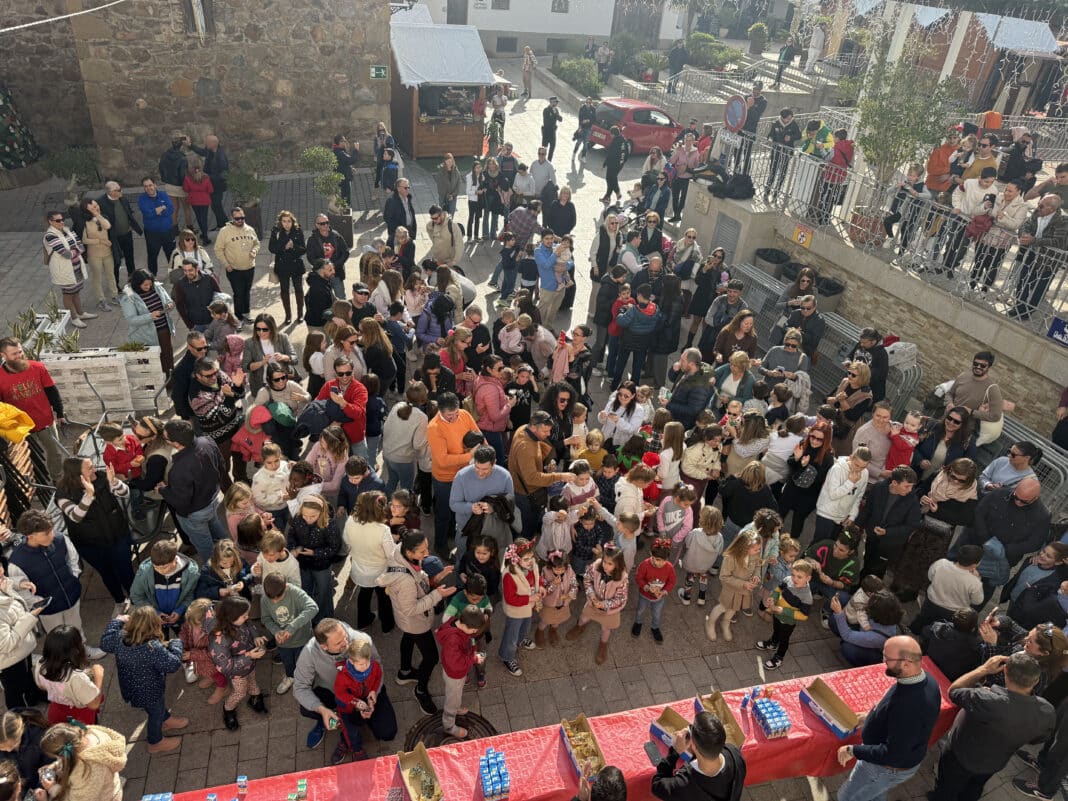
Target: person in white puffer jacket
x: 18, y: 625
x: 843, y: 489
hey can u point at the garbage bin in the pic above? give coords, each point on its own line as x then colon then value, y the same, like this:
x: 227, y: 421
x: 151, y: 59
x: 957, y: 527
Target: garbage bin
x: 830, y: 291
x: 771, y: 261
x: 790, y: 271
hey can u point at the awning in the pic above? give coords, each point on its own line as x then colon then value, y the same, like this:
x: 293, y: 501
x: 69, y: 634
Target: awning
x: 446, y: 55
x: 1025, y: 35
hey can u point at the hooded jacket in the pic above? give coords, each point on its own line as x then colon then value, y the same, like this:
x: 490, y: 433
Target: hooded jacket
x: 17, y: 627
x: 318, y: 300
x: 410, y: 593
x: 141, y: 326
x: 95, y: 775
x: 639, y: 322
x: 494, y: 412
x: 168, y: 594
x: 457, y: 650
x: 690, y: 394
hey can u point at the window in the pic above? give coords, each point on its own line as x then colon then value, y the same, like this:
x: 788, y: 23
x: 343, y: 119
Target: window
x: 560, y: 6
x: 507, y: 44
x: 556, y: 45
x: 659, y: 118
x: 642, y: 116
x: 501, y: 5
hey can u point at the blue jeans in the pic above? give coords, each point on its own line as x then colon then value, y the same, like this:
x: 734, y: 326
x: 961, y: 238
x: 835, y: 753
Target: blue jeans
x: 657, y: 607
x: 372, y: 443
x: 382, y: 723
x: 338, y: 286
x: 319, y: 584
x: 401, y: 475
x: 204, y: 529
x: 530, y: 516
x: 516, y: 630
x: 113, y: 565
x: 613, y: 357
x: 621, y: 366
x: 288, y: 656
x: 489, y: 223
x: 444, y: 520
x: 497, y: 270
x: 508, y: 282
x: 359, y: 449
x: 496, y: 439
x: 868, y: 782
x: 157, y: 714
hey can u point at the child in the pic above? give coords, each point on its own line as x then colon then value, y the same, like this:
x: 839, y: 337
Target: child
x: 837, y: 560
x: 522, y: 591
x: 606, y: 482
x: 561, y: 588
x: 270, y: 484
x: 234, y: 650
x: 250, y: 532
x: 579, y: 413
x: 124, y: 454
x: 583, y: 488
x: 644, y: 397
x: 358, y: 683
x: 287, y: 612
x: 458, y: 656
x: 274, y: 557
x: 314, y: 362
x: 776, y: 571
x: 731, y: 422
x: 506, y: 268
x: 856, y: 611
x: 593, y: 530
x: 904, y: 437
x: 702, y: 462
x: 166, y: 582
x: 315, y: 540
x: 594, y: 452
x: 653, y: 431
x: 630, y: 502
x: 48, y: 559
x: 403, y: 516
x: 474, y: 594
x: 778, y: 411
x: 906, y: 206
x: 674, y: 518
x: 605, y: 582
x: 143, y: 662
x: 376, y: 416
x: 615, y: 332
x: 397, y: 328
x: 231, y: 356
x: 195, y: 637
x: 563, y: 258
x: 223, y: 324
x: 739, y: 574
x: 556, y: 527
x: 482, y: 558
x: 669, y: 472
x: 656, y: 580
x: 238, y: 504
x: 360, y: 478
x: 791, y: 603
x: 759, y: 402
x: 225, y: 574
x: 528, y: 272
x: 632, y: 452
x: 702, y: 547
x: 524, y: 388
x: 512, y: 333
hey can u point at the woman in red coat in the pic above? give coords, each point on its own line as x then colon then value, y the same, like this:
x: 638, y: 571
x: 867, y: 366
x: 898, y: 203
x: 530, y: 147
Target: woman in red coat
x: 197, y: 186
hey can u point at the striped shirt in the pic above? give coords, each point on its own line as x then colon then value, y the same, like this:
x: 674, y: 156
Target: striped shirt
x: 155, y: 304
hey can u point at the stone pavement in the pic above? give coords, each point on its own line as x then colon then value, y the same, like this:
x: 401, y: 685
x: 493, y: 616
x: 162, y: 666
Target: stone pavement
x: 557, y: 682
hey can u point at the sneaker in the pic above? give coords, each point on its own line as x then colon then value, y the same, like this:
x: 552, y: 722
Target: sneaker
x: 103, y: 306
x: 748, y: 612
x: 1030, y: 788
x: 284, y: 685
x: 1028, y: 757
x: 77, y: 323
x: 341, y: 753
x: 492, y: 285
x: 636, y: 630
x: 88, y: 315
x: 426, y: 703
x: 766, y: 645
x: 683, y: 596
x: 528, y: 644
x: 825, y: 621
x: 700, y: 599
x: 94, y: 653
x: 404, y: 678
x: 513, y: 668
x: 773, y: 664
x: 315, y: 736
x: 657, y: 635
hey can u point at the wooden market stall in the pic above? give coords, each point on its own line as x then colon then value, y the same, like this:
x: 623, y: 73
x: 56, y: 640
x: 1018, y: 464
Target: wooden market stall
x: 440, y: 80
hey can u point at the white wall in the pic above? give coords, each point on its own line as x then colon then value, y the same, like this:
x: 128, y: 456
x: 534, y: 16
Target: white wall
x: 585, y: 18
x: 672, y: 21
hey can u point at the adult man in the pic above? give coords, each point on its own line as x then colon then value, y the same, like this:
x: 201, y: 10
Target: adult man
x: 587, y: 114
x: 446, y: 238
x: 192, y: 486
x: 723, y: 309
x: 326, y: 243
x: 236, y: 248
x: 875, y: 436
x: 362, y: 308
x: 1020, y: 162
x: 716, y: 771
x: 1057, y: 185
x: 523, y: 221
x: 173, y: 167
x: 347, y: 156
x: 690, y: 390
x: 472, y: 485
x: 939, y: 178
x: 811, y: 323
x: 157, y: 211
x: 815, y: 47
x: 481, y: 339
x: 653, y: 275
x: 985, y: 159
x: 678, y: 55
x: 756, y: 105
x: 192, y: 294
x: 351, y: 397
x: 216, y: 165
x: 214, y: 397
x: 124, y: 225
x: 896, y: 732
x: 784, y: 134
x: 691, y: 129
x: 448, y: 455
x: 28, y: 386
x: 543, y: 172
x: 890, y: 514
x: 977, y: 390
x: 196, y: 347
x: 1047, y: 227
x: 993, y: 722
x: 550, y: 118
x: 399, y: 211
x: 526, y: 462
x: 320, y: 295
x: 318, y: 665
x: 551, y: 291
x: 639, y: 322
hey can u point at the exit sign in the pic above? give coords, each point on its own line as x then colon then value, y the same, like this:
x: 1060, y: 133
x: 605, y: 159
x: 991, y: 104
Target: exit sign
x: 379, y: 72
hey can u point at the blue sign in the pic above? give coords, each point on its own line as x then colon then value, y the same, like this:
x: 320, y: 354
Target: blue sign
x: 1058, y: 331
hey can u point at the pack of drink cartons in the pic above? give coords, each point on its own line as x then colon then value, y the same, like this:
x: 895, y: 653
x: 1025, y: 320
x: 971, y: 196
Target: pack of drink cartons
x: 493, y: 773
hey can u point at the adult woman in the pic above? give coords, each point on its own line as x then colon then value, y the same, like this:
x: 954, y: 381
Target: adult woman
x: 785, y: 361
x: 733, y: 380
x: 652, y: 235
x: 865, y: 646
x: 96, y: 522
x: 808, y: 466
x: 371, y: 546
x: 742, y: 495
x: 20, y: 743
x: 453, y: 356
x: 579, y: 361
x: 18, y: 627
x: 658, y: 196
x: 147, y: 308
x: 1010, y: 212
x: 493, y: 182
x: 559, y: 401
x: 90, y: 759
x: 804, y: 284
x: 1045, y: 642
x: 75, y: 688
x: 869, y: 349
x: 499, y: 101
x: 98, y: 253
x: 672, y: 304
x: 1010, y: 470
x: 288, y: 247
x: 737, y: 335
x: 404, y: 443
x: 189, y: 249
x: 447, y: 283
x: 390, y: 289
x: 404, y: 247
x: 315, y: 539
x: 449, y: 183
x: 705, y: 282
x: 685, y: 160
x: 853, y: 400
x: 327, y: 457
x: 379, y: 144
x: 560, y: 215
x: 951, y: 438
x: 413, y: 598
x: 475, y: 199
x: 687, y: 256
x: 621, y: 417
x: 530, y: 63
x: 749, y: 444
x: 63, y: 252
x: 377, y: 352
x: 1033, y: 591
x: 199, y: 189
x: 279, y: 388
x: 267, y: 346
x: 493, y: 405
x: 654, y: 162
x: 615, y: 156
x: 346, y: 339
x: 605, y: 250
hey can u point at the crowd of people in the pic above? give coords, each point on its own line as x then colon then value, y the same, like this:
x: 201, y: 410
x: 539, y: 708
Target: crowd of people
x: 454, y: 467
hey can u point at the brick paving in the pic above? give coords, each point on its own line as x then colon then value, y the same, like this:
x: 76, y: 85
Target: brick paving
x: 557, y: 682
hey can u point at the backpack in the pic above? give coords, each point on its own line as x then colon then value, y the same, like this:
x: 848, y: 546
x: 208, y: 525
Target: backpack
x: 739, y: 187
x: 316, y: 417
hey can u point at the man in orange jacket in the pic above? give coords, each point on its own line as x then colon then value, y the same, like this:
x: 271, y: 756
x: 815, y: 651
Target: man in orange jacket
x: 448, y: 454
x: 938, y: 176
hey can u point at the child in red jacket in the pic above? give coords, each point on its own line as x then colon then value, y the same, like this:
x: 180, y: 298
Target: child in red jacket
x: 457, y: 642
x: 122, y: 451
x: 656, y: 580
x: 614, y: 331
x: 356, y: 687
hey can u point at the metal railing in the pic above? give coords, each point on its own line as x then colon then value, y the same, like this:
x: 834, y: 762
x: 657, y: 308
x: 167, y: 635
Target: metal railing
x: 1050, y: 135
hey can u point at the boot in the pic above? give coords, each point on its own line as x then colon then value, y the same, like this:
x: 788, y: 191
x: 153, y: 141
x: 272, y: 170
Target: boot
x: 539, y: 638
x: 230, y: 719
x: 256, y: 702
x: 285, y: 308
x: 689, y: 340
x: 554, y: 638
x: 164, y: 745
x: 728, y: 618
x: 576, y: 631
x: 300, y: 307
x: 711, y: 619
x: 602, y: 653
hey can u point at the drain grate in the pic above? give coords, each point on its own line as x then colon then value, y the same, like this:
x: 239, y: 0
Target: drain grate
x: 429, y: 732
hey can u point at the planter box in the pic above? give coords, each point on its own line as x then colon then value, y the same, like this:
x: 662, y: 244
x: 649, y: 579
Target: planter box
x: 58, y: 328
x: 124, y: 380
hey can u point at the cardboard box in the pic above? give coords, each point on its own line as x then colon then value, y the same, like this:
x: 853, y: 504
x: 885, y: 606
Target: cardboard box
x: 830, y: 708
x: 418, y: 757
x: 580, y: 724
x: 663, y: 729
x: 715, y: 704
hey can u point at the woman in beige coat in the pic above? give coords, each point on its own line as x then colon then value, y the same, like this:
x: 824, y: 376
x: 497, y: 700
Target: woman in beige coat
x: 98, y: 255
x: 1009, y: 213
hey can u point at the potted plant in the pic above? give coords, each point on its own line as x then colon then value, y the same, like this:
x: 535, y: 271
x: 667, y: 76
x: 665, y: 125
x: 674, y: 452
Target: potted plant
x: 326, y: 180
x: 75, y: 165
x: 758, y: 38
x: 652, y: 63
x: 248, y: 186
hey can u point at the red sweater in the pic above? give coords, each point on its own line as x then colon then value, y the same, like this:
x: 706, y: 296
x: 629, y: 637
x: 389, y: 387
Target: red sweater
x: 457, y: 650
x: 647, y: 574
x: 348, y: 690
x: 511, y: 596
x: 356, y: 411
x: 122, y: 460
x: 613, y: 327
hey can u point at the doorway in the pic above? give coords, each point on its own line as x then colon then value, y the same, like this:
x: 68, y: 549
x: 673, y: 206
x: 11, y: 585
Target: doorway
x: 456, y: 13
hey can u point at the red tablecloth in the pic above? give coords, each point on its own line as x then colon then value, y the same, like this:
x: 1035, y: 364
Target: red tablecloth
x: 541, y: 770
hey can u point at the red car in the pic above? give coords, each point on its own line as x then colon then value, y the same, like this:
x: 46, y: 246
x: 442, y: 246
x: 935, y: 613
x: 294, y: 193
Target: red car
x: 643, y: 125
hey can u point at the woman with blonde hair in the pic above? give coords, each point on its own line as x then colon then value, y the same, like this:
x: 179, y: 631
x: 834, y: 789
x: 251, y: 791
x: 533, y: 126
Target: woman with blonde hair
x: 453, y: 356
x: 371, y: 546
x: 287, y: 245
x: 89, y: 759
x: 377, y: 352
x: 853, y: 400
x: 346, y: 339
x: 752, y: 441
x: 733, y: 380
x: 404, y: 247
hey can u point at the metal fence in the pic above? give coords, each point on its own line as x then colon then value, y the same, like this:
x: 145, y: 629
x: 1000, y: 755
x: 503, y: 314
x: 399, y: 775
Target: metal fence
x: 1050, y: 135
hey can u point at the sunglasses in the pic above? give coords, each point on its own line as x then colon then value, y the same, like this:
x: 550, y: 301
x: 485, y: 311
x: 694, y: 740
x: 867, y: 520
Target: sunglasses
x: 851, y: 374
x: 1020, y: 501
x: 262, y: 328
x: 277, y: 378
x: 980, y: 365
x: 212, y: 374
x: 194, y: 347
x: 340, y: 373
x: 239, y: 219
x: 954, y: 420
x: 56, y: 219
x: 320, y: 224
x: 790, y: 345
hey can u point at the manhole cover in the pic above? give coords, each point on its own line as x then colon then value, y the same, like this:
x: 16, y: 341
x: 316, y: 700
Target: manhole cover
x: 429, y: 732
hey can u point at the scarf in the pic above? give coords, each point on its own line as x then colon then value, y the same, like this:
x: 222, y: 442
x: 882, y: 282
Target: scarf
x: 943, y: 488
